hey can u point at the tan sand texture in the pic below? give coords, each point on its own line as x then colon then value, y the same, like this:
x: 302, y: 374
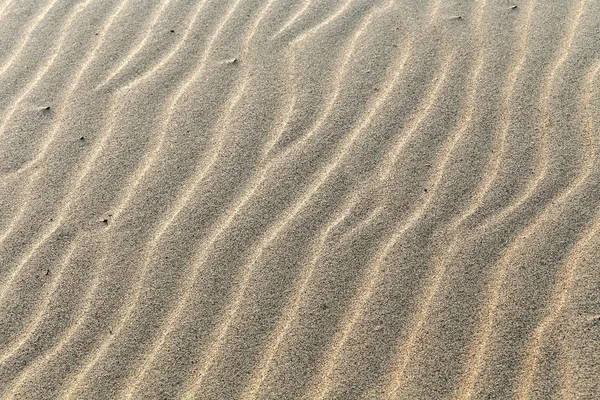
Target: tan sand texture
x: 299, y: 199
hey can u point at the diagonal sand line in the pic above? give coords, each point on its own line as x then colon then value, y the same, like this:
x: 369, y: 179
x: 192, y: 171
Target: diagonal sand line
x: 149, y: 29
x: 78, y: 180
x: 405, y: 353
x: 21, y: 339
x: 157, y: 344
x: 484, y: 330
x: 38, y: 365
x: 566, y: 275
x: 4, y: 7
x: 27, y: 36
x: 234, y: 304
x: 101, y: 350
x: 41, y: 74
x: 373, y: 270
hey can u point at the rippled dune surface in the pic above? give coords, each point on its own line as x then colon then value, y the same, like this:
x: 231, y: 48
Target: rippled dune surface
x: 284, y: 199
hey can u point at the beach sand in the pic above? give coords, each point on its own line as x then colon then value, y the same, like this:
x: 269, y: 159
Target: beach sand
x: 284, y: 199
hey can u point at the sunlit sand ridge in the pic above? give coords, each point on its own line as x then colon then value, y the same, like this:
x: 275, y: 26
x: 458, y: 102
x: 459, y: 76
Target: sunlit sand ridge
x: 299, y: 199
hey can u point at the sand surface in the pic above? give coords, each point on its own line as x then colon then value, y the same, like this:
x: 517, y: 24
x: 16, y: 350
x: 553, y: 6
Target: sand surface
x: 284, y: 199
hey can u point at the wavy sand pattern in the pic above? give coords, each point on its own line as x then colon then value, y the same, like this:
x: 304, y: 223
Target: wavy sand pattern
x: 282, y: 199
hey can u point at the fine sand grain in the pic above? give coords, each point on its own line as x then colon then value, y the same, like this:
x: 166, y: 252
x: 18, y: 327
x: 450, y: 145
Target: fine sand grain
x: 284, y: 199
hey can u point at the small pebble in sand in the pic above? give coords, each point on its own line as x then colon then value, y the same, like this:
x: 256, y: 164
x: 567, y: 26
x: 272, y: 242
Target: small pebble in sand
x: 47, y: 272
x: 46, y: 111
x: 513, y: 7
x: 81, y: 139
x: 232, y: 61
x: 172, y: 31
x: 105, y: 221
x: 456, y: 17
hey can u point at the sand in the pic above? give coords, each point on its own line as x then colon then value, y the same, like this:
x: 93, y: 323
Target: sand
x: 299, y: 199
